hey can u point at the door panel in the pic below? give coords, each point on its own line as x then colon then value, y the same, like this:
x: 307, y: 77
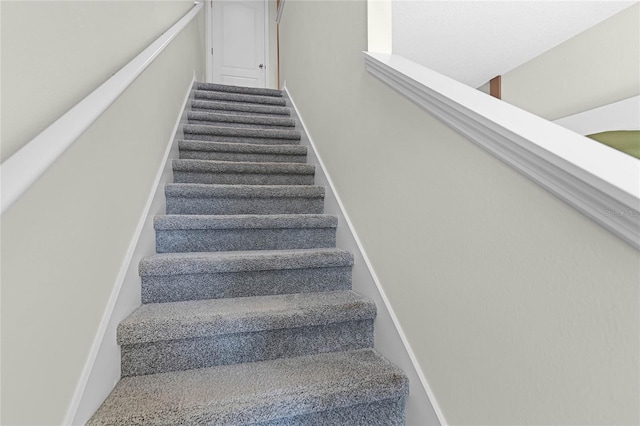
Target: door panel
x: 238, y: 43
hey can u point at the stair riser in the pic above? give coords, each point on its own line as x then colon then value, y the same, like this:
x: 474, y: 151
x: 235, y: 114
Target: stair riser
x: 238, y: 139
x: 234, y: 156
x: 386, y: 412
x: 238, y: 89
x: 240, y: 125
x: 236, y: 119
x: 175, y: 288
x: 217, y: 206
x: 235, y: 108
x: 205, y: 240
x: 240, y: 98
x: 242, y: 178
x: 235, y: 132
x: 186, y: 354
x: 266, y: 114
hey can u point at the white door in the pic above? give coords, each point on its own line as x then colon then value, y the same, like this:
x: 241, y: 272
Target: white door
x: 239, y: 43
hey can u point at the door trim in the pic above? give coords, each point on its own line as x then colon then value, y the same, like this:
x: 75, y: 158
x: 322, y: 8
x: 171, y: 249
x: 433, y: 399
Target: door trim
x: 208, y: 42
x: 267, y: 62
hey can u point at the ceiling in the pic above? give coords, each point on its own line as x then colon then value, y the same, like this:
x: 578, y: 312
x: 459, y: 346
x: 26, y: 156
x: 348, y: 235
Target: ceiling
x: 494, y: 36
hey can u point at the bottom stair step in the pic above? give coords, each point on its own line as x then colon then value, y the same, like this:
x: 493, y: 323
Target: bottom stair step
x: 357, y: 388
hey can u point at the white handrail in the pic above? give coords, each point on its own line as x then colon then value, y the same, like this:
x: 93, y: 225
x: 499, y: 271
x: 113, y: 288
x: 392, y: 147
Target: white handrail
x: 23, y: 168
x: 599, y: 181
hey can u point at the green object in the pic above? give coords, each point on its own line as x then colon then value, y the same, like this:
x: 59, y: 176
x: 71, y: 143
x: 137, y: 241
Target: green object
x: 627, y: 141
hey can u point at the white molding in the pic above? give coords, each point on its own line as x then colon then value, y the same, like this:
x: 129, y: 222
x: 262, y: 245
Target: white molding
x: 24, y: 167
x: 598, y: 181
x: 127, y: 276
x: 280, y: 10
x: 267, y: 50
x: 208, y: 44
x: 621, y: 115
x: 365, y: 281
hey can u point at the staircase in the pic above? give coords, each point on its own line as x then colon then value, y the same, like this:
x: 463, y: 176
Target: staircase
x: 247, y: 314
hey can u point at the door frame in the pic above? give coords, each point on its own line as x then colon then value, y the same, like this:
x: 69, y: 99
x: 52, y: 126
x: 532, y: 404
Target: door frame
x: 209, y: 41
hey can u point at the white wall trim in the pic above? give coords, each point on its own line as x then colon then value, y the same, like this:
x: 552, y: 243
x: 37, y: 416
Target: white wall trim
x: 267, y: 50
x: 24, y: 167
x: 127, y: 271
x: 621, y: 115
x: 280, y: 10
x: 598, y: 181
x: 349, y: 237
x: 208, y: 44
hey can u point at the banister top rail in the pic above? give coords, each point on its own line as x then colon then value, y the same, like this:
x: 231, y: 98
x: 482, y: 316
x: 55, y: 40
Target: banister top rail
x: 601, y: 182
x: 23, y: 168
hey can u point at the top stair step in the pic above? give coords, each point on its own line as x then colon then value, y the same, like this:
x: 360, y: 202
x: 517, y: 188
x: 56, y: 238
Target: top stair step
x: 238, y: 97
x: 239, y: 89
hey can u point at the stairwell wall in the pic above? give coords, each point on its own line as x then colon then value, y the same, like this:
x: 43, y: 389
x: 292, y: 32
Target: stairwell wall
x: 64, y: 242
x: 596, y: 67
x: 518, y: 308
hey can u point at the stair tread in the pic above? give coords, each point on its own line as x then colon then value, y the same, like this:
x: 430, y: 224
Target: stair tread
x: 213, y: 166
x: 241, y: 147
x: 240, y: 107
x: 238, y: 89
x: 250, y: 260
x: 182, y: 222
x: 197, y: 190
x: 239, y: 97
x: 253, y: 392
x: 205, y: 129
x: 202, y: 318
x: 243, y: 119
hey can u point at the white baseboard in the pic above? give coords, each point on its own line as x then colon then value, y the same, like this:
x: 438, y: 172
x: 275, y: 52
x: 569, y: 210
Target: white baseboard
x: 102, y: 368
x: 391, y: 342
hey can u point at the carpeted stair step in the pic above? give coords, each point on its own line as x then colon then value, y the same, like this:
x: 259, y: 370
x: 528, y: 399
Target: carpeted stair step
x: 239, y: 108
x: 242, y: 173
x: 197, y: 198
x: 354, y: 388
x: 249, y: 121
x: 239, y: 134
x: 172, y: 277
x: 194, y: 233
x: 222, y: 151
x: 239, y: 97
x: 238, y: 89
x: 163, y: 337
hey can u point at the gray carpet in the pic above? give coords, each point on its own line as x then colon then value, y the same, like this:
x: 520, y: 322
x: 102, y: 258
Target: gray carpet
x: 248, y: 317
